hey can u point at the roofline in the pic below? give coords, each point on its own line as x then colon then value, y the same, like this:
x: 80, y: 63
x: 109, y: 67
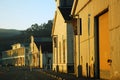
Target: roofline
x: 15, y: 44
x: 53, y: 27
x: 74, y: 7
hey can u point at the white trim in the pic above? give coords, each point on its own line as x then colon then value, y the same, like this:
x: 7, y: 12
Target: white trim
x: 13, y: 57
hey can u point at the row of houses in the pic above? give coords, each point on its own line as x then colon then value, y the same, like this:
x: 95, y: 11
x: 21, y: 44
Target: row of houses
x: 36, y: 53
x: 86, y: 38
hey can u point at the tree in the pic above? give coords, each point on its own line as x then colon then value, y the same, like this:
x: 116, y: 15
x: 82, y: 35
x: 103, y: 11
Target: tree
x: 40, y: 30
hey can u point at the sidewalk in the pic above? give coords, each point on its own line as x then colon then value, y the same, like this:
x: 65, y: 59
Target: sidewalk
x: 63, y: 76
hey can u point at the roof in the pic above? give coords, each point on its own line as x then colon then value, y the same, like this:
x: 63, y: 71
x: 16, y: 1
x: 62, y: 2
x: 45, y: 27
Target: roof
x: 65, y: 8
x: 45, y: 43
x: 25, y: 44
x: 43, y: 39
x: 66, y: 11
x: 46, y: 47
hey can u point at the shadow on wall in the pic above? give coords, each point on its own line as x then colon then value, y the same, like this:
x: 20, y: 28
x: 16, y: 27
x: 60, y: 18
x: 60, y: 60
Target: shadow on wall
x: 89, y: 71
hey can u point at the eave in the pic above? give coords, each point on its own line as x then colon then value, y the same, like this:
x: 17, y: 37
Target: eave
x: 74, y: 7
x: 65, y: 11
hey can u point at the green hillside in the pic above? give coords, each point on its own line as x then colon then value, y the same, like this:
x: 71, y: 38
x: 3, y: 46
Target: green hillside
x: 9, y: 33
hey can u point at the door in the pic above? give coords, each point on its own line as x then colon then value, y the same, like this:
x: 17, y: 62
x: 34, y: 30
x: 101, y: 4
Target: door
x: 104, y: 46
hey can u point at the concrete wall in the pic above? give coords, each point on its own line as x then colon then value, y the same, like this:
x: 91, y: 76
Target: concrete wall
x: 115, y: 37
x: 95, y: 8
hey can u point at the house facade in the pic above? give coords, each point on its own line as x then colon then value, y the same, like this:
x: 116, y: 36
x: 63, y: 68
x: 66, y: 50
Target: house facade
x: 15, y: 56
x: 41, y: 52
x: 97, y: 48
x: 62, y: 35
x: 36, y: 53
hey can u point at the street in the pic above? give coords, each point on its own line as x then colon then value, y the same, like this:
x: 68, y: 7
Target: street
x: 23, y: 74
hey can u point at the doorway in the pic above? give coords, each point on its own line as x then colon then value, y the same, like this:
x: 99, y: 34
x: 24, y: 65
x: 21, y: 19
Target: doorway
x: 103, y: 45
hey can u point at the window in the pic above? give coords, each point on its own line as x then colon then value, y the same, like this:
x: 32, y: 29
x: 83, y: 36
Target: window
x: 55, y: 45
x: 54, y: 57
x: 63, y: 51
x: 60, y: 51
x: 79, y: 24
x: 55, y: 42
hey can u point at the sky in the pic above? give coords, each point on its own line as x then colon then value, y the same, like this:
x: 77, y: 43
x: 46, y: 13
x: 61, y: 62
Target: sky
x: 21, y: 14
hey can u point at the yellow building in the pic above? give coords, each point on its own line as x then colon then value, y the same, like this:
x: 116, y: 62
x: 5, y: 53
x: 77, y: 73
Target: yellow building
x: 15, y: 56
x: 62, y: 34
x: 97, y: 49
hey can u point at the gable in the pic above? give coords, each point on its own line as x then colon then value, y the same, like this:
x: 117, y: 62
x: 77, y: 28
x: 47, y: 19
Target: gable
x: 60, y: 24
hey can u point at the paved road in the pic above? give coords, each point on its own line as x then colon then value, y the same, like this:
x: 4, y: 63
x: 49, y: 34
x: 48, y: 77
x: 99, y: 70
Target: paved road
x: 13, y: 73
x: 23, y: 74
